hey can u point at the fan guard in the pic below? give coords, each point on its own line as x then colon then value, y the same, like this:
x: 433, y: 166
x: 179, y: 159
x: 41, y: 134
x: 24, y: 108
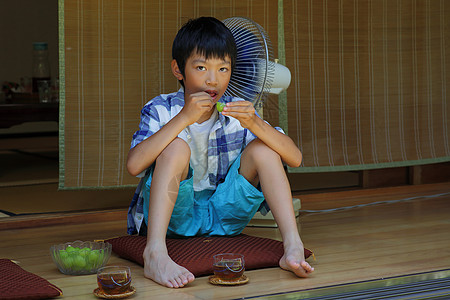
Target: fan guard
x: 254, y: 72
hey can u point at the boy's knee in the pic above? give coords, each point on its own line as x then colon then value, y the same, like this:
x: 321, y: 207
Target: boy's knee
x: 258, y: 151
x: 257, y: 155
x: 177, y: 152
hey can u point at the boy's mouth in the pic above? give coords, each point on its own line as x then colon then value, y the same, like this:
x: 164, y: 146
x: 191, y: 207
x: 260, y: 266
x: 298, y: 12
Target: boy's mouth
x: 212, y: 93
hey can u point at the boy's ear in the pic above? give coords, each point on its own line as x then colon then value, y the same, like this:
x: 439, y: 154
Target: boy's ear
x: 175, y: 70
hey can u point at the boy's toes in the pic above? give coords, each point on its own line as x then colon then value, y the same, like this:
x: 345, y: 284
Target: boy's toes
x: 302, y: 269
x: 169, y: 283
x: 179, y: 282
x: 183, y: 279
x: 307, y: 267
x: 190, y: 277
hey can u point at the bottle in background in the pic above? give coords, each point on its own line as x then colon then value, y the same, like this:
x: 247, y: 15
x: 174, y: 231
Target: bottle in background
x: 41, y: 65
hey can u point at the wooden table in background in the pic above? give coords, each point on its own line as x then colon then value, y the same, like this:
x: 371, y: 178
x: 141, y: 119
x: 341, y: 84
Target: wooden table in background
x: 26, y: 108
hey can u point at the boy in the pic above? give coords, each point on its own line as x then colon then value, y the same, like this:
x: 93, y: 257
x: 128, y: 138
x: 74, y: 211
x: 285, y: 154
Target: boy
x: 201, y: 168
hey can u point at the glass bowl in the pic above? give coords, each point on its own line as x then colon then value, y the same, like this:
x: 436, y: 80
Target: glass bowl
x: 80, y: 258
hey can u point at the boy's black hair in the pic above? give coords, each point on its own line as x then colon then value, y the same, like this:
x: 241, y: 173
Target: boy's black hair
x: 206, y: 36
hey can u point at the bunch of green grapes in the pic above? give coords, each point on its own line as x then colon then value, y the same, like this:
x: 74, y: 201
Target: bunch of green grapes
x: 78, y: 259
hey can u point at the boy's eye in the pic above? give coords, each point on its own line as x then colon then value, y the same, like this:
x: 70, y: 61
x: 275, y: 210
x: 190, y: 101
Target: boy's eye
x: 201, y: 68
x: 223, y: 69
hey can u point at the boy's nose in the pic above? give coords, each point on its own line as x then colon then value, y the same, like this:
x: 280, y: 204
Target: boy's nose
x: 211, y: 80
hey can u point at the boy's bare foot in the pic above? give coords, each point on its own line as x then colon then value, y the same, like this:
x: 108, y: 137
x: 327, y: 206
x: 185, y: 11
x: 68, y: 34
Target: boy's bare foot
x: 294, y: 260
x: 159, y: 267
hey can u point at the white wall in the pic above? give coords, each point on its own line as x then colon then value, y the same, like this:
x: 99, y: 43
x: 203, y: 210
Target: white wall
x: 23, y: 22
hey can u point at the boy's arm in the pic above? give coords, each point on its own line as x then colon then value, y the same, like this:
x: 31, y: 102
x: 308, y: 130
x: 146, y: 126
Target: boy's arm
x: 279, y: 142
x: 145, y: 153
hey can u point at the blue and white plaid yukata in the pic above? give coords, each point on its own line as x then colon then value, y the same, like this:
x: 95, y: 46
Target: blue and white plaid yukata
x: 227, y: 140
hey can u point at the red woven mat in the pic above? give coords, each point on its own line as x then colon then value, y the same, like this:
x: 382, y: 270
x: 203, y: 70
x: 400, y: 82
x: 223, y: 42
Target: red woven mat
x: 16, y: 283
x: 195, y: 254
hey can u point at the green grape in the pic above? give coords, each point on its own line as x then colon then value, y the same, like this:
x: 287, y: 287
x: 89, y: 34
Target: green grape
x: 220, y: 106
x: 79, y: 262
x: 63, y: 254
x: 93, y: 257
x: 84, y: 252
x: 68, y: 262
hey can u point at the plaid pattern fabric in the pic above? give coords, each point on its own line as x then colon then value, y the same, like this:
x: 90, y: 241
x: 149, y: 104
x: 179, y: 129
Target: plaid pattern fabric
x: 226, y: 141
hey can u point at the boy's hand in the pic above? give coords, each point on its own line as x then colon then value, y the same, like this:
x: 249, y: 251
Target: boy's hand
x: 196, y: 105
x: 241, y: 110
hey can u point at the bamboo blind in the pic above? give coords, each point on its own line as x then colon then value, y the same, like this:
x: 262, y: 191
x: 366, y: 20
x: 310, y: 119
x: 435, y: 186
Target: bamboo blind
x: 114, y: 57
x: 369, y: 79
x: 370, y: 84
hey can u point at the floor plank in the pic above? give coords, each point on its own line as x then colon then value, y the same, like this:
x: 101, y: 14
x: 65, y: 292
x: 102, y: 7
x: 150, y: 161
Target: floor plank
x: 370, y: 242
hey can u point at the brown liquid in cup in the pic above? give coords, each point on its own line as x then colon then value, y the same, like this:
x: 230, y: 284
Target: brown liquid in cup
x: 114, y: 283
x: 229, y: 270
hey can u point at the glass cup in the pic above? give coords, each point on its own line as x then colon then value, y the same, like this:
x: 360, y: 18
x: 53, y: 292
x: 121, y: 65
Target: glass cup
x: 45, y: 91
x: 114, y: 280
x: 228, y: 266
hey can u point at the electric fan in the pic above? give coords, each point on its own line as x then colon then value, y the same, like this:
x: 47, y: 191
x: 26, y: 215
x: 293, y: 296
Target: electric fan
x: 256, y: 74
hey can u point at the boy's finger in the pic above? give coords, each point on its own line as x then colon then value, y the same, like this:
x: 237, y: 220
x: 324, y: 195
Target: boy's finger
x: 239, y: 103
x: 237, y: 109
x: 201, y: 96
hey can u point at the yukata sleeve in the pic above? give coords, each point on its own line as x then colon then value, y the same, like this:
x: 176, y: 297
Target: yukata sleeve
x: 149, y: 124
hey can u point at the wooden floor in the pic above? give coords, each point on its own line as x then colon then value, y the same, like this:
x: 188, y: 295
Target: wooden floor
x: 363, y: 243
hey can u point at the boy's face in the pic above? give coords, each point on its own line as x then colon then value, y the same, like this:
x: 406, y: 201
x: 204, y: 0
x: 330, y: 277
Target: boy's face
x: 210, y: 75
